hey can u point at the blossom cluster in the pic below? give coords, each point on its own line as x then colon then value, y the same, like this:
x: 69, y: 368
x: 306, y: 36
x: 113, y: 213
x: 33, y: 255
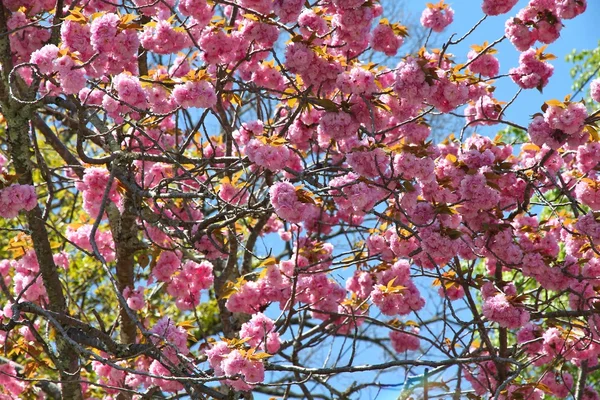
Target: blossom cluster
x: 15, y: 198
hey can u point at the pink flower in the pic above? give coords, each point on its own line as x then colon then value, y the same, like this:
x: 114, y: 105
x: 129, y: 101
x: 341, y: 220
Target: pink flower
x: 560, y: 384
x: 271, y: 156
x: 109, y: 375
x: 168, y: 262
x: 447, y: 95
x: 403, y: 341
x: 474, y: 189
x: 542, y: 134
x: 233, y: 194
x: 93, y: 185
x: 198, y: 9
x: 588, y: 225
x: 370, y: 163
x: 263, y: 35
x: 521, y: 392
x: 352, y: 28
x: 437, y: 243
x: 77, y: 37
x: 32, y: 6
x: 338, y: 125
x: 26, y: 281
x: 408, y: 166
x: 395, y: 293
x: 259, y: 328
x: 519, y: 34
x: 569, y: 119
x: 15, y: 198
x: 200, y: 94
x: 80, y: 237
x: 310, y: 22
x: 348, y: 4
x: 485, y: 111
x: 166, y: 331
x: 595, y: 90
x: 588, y: 157
x: 437, y: 17
x: 497, y: 7
x: 156, y: 368
x: 220, y: 47
x: 554, y: 343
x: 186, y: 286
x: 231, y: 362
x: 44, y: 58
x: 532, y: 72
x: 530, y: 334
x: 360, y: 283
x: 298, y: 57
x: 134, y: 297
x: 3, y: 162
x: 485, y: 65
x: 268, y: 77
x: 248, y: 130
x: 286, y: 203
x: 9, y: 380
x: 63, y: 64
x: 358, y: 81
x: 261, y: 6
x: 103, y: 32
x: 452, y: 292
x: 73, y: 81
x: 384, y: 39
x: 498, y: 308
x: 353, y: 195
x: 162, y: 38
x: 130, y: 90
x: 411, y: 83
x: 247, y: 300
x: 568, y: 9
x: 288, y: 10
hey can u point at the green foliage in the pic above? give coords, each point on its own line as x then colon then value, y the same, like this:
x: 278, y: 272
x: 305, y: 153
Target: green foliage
x: 512, y: 135
x: 586, y: 68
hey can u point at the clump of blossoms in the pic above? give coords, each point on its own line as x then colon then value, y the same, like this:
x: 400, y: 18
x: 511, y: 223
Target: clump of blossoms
x: 403, y: 341
x: 483, y: 63
x: 533, y: 70
x: 541, y: 20
x: 15, y: 198
x: 497, y: 7
x: 11, y: 384
x: 562, y: 122
x: 93, y: 186
x: 234, y: 362
x: 199, y: 94
x: 437, y: 16
x: 502, y: 307
x: 595, y: 90
x: 387, y: 38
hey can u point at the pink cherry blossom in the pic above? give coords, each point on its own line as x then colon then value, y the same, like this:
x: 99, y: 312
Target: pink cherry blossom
x: 15, y: 198
x: 437, y: 17
x: 532, y: 72
x: 200, y: 94
x: 497, y: 7
x: 385, y: 40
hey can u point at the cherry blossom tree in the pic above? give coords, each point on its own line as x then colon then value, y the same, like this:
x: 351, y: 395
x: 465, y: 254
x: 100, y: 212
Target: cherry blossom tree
x: 238, y: 198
